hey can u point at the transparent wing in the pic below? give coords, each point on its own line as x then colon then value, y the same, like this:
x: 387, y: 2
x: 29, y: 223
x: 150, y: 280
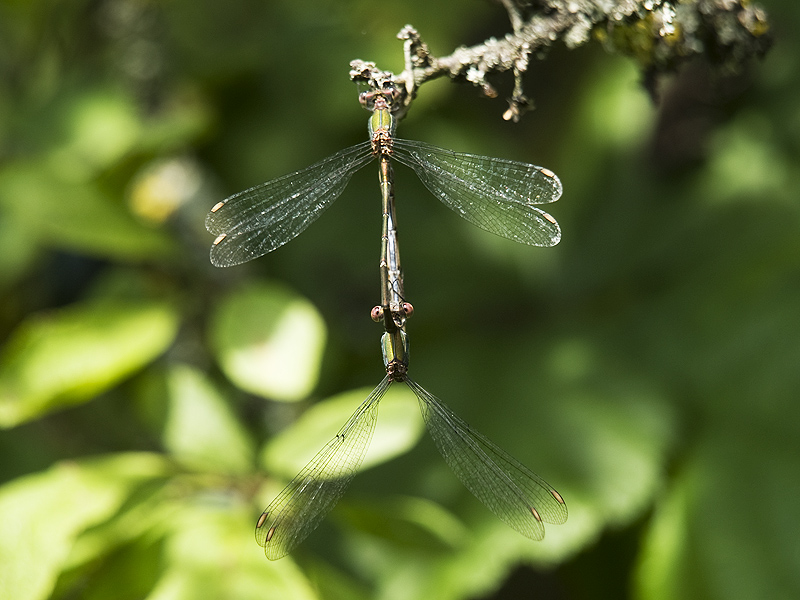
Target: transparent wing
x: 260, y: 219
x: 300, y: 507
x: 495, y: 194
x: 521, y: 499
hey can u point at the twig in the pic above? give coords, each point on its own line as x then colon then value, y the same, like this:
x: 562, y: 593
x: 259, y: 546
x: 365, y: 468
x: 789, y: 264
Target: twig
x: 658, y: 34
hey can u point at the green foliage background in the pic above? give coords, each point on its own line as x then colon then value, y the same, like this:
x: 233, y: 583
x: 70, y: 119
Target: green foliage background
x: 151, y: 405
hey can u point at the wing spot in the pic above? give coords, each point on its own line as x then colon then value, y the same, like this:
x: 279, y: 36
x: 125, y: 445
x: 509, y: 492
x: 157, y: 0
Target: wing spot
x: 557, y: 496
x: 535, y: 514
x: 546, y: 216
x: 545, y: 172
x: 220, y: 237
x: 261, y: 519
x: 271, y: 532
x: 217, y: 206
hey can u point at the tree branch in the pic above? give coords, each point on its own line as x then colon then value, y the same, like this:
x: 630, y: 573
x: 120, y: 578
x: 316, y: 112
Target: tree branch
x: 658, y: 34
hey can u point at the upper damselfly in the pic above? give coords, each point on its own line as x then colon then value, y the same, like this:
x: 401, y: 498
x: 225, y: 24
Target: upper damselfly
x: 495, y: 194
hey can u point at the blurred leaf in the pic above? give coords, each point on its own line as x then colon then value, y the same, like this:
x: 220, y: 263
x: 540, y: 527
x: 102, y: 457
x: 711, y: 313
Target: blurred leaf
x: 145, y: 515
x: 746, y: 164
x: 121, y: 558
x: 211, y: 554
x: 72, y: 354
x: 182, y: 118
x: 100, y: 126
x: 399, y: 428
x: 414, y: 523
x: 622, y: 458
x: 201, y: 431
x: 727, y: 529
x: 665, y: 569
x: 17, y: 251
x: 334, y: 584
x: 269, y: 341
x: 163, y: 187
x: 127, y: 572
x: 42, y: 514
x: 80, y: 216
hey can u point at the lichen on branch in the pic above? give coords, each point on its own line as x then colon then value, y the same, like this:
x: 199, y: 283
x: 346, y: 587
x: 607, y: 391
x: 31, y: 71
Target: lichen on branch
x: 658, y: 34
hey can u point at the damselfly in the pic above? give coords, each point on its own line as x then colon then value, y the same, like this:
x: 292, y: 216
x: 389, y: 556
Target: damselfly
x: 495, y: 194
x: 513, y: 492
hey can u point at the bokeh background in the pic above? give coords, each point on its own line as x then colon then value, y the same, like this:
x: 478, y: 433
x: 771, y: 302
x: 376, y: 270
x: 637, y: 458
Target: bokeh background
x: 152, y: 405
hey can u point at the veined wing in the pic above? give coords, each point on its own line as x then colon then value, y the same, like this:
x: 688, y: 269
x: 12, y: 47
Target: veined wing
x: 495, y: 194
x: 311, y: 495
x: 518, y: 496
x: 260, y: 219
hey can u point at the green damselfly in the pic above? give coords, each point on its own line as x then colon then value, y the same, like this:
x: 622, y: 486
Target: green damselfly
x: 495, y: 194
x: 519, y: 497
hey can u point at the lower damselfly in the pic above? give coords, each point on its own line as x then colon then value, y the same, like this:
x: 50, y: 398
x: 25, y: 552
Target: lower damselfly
x: 514, y: 493
x: 519, y: 497
x: 495, y: 194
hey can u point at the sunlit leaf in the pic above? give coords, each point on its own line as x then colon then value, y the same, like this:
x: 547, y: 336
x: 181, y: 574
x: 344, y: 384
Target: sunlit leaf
x: 42, y: 514
x: 269, y: 341
x: 69, y: 355
x: 207, y: 538
x: 76, y: 215
x: 142, y: 520
x: 399, y: 428
x: 163, y: 187
x: 100, y: 126
x: 201, y: 431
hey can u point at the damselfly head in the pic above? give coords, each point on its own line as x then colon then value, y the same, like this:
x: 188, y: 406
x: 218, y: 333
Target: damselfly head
x: 379, y: 98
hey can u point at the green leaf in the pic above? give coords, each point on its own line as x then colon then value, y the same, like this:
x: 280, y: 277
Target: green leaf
x: 398, y: 430
x: 101, y: 126
x: 211, y: 554
x: 144, y: 518
x: 269, y: 341
x: 43, y: 514
x: 127, y: 572
x: 77, y: 215
x: 727, y: 527
x: 332, y: 583
x: 414, y: 523
x: 201, y: 431
x: 69, y: 355
x: 17, y: 253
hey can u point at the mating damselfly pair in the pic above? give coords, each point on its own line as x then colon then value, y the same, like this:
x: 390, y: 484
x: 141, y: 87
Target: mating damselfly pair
x: 496, y: 195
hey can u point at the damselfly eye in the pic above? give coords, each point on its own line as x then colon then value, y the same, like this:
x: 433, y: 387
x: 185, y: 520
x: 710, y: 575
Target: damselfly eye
x: 366, y: 100
x: 376, y: 313
x: 408, y: 309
